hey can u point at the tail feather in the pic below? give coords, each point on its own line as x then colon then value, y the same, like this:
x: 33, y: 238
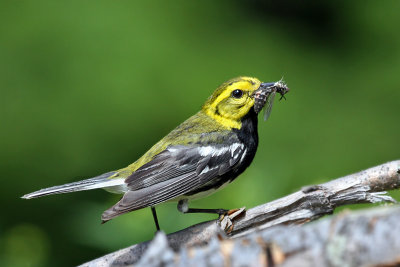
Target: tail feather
x: 100, y: 181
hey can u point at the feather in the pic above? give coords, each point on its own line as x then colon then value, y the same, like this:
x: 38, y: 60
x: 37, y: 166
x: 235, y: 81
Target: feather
x: 101, y: 181
x: 184, y: 169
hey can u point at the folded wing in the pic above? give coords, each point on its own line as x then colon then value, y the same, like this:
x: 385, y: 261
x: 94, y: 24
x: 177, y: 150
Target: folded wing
x: 175, y: 171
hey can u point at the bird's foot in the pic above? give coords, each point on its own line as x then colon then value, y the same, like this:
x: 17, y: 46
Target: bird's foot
x: 226, y: 220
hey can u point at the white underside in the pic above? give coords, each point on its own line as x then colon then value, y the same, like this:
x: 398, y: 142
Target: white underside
x: 200, y: 194
x: 119, y: 187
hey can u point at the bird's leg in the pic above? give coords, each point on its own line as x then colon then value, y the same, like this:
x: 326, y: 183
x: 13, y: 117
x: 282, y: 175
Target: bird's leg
x: 214, y: 211
x: 153, y: 211
x: 226, y: 217
x: 184, y: 208
x: 221, y: 212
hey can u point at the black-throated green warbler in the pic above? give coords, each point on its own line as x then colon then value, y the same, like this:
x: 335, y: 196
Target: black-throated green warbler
x: 203, y: 154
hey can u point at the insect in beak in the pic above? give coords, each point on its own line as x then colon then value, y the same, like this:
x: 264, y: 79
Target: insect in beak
x: 265, y: 94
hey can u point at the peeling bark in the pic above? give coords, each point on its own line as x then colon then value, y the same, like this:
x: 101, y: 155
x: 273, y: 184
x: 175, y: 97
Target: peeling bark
x: 308, y: 204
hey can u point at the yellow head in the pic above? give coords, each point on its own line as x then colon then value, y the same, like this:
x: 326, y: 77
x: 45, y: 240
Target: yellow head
x: 234, y: 99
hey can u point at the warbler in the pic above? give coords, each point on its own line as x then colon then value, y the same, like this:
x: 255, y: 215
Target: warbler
x: 203, y: 154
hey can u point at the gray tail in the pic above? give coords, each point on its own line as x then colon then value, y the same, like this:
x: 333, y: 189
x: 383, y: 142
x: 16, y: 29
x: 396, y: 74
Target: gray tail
x: 100, y: 181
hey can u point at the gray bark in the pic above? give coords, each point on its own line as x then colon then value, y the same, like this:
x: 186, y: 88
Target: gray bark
x: 308, y: 204
x: 364, y: 238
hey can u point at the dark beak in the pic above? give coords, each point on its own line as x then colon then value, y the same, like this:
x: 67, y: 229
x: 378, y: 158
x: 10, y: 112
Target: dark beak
x: 265, y: 85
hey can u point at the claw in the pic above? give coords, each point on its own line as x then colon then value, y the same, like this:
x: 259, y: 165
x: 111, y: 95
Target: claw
x: 226, y: 220
x: 232, y: 211
x: 230, y: 229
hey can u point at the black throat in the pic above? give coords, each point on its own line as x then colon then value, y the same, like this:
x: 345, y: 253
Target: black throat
x: 248, y: 135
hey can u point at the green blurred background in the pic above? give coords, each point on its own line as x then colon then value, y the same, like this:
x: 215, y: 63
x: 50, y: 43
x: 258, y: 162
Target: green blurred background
x: 89, y: 86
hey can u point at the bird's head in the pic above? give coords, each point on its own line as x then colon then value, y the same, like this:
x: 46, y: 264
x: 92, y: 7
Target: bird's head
x: 234, y: 99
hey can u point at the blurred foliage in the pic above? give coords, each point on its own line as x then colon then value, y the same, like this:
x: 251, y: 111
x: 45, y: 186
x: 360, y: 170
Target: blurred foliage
x: 88, y: 86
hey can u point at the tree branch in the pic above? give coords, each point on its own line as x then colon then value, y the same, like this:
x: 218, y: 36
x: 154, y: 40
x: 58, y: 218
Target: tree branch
x: 369, y: 237
x: 308, y: 204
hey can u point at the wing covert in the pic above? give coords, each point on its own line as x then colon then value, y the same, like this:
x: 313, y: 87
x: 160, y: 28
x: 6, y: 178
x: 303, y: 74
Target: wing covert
x: 173, y: 172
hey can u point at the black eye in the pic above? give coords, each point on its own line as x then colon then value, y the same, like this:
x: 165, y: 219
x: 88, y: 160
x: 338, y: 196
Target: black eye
x: 237, y: 93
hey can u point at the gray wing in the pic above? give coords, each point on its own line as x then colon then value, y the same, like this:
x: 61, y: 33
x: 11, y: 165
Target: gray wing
x: 174, y: 172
